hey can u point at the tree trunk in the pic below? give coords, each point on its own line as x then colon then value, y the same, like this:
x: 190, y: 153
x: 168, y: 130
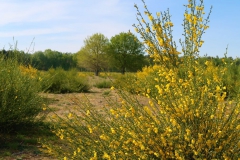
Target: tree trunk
x: 96, y: 72
x: 123, y: 70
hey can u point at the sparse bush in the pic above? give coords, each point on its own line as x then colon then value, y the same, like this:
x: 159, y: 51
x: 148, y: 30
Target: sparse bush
x: 103, y: 84
x: 60, y: 81
x: 232, y: 79
x: 188, y: 116
x: 20, y: 102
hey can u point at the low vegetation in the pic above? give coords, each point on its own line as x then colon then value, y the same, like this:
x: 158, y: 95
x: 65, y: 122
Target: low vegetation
x: 19, y: 100
x: 60, y: 81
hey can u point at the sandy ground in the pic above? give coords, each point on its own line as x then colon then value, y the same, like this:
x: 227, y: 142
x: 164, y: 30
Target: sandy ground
x: 63, y: 103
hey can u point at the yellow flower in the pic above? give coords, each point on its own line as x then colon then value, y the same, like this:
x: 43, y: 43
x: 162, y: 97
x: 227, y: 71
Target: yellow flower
x: 103, y: 137
x: 113, y: 131
x: 160, y: 41
x: 69, y: 115
x: 156, y: 154
x: 147, y: 109
x: 106, y: 156
x: 218, y: 89
x: 88, y: 112
x: 94, y: 156
x: 150, y: 17
x: 147, y: 30
x: 136, y: 30
x: 155, y: 130
x: 148, y: 90
x: 142, y: 147
x: 65, y: 158
x: 199, y: 8
x: 209, y: 143
x: 206, y: 27
x: 90, y: 130
x: 112, y: 88
x: 169, y: 24
x: 188, y: 131
x: 44, y: 108
x: 238, y: 127
x: 195, y: 152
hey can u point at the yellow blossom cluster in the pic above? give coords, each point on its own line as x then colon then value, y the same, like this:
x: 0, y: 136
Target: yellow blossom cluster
x: 194, y: 27
x: 28, y: 70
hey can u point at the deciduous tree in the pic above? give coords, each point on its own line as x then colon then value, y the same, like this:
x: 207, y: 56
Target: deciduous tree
x: 92, y: 55
x: 126, y: 52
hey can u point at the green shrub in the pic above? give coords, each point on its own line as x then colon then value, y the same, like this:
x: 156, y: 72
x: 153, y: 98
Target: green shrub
x: 20, y: 102
x: 232, y: 79
x: 103, y: 84
x: 60, y: 81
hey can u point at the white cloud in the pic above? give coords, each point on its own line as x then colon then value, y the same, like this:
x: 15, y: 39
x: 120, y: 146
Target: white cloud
x: 31, y: 11
x: 33, y: 32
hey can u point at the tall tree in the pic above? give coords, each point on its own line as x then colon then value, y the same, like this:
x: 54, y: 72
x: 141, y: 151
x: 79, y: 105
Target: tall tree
x: 92, y: 55
x: 126, y: 52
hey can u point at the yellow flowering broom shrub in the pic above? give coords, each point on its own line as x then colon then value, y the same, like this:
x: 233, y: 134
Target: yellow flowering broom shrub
x: 29, y: 70
x: 188, y: 116
x: 126, y: 82
x: 20, y: 102
x: 146, y: 80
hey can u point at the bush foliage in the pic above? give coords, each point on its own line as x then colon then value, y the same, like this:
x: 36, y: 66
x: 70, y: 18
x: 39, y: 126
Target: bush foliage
x: 189, y: 115
x: 60, y: 81
x: 103, y: 84
x: 20, y: 102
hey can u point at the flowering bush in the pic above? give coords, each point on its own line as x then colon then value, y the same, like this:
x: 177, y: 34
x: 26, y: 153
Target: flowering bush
x: 29, y: 70
x: 19, y: 99
x: 188, y: 116
x: 126, y: 82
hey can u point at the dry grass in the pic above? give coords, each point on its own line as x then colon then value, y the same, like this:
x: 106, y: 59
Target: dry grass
x: 61, y: 104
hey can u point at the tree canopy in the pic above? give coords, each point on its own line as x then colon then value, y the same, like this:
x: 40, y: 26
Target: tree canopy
x: 53, y: 59
x: 126, y: 52
x: 93, y: 55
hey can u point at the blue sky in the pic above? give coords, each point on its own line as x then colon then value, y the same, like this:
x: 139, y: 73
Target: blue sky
x: 63, y: 25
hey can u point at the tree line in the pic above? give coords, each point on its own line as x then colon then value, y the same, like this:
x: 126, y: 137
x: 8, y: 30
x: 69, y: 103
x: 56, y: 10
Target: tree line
x: 123, y: 52
x: 42, y: 60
